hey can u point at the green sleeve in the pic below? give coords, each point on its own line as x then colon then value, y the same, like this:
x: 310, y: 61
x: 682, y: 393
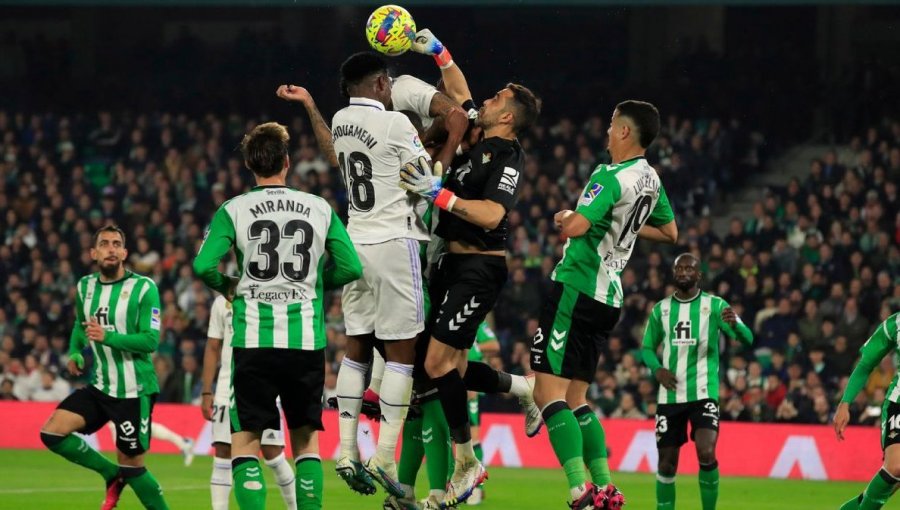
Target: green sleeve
x: 484, y: 334
x: 662, y: 214
x: 78, y: 339
x: 875, y: 349
x: 653, y: 335
x: 740, y: 331
x: 146, y: 340
x: 599, y: 196
x: 218, y: 242
x: 345, y: 266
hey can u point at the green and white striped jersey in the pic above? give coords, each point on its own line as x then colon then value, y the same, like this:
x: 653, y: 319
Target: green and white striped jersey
x: 617, y: 200
x: 128, y: 309
x: 885, y: 340
x: 484, y: 335
x: 280, y: 236
x: 689, y: 334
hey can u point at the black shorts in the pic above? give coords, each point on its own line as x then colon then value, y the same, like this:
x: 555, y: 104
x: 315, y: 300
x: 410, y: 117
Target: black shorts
x: 572, y: 330
x: 672, y: 421
x: 463, y: 289
x: 131, y: 417
x: 259, y: 376
x: 890, y: 424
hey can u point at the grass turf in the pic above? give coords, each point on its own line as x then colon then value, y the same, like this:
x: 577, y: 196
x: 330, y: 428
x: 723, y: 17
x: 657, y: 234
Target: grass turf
x: 38, y: 479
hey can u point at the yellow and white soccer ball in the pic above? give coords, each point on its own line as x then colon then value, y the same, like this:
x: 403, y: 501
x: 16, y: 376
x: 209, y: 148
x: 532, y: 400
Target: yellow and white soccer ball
x: 390, y: 30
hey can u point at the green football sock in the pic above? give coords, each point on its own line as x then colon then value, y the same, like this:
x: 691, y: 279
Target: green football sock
x: 146, y: 487
x: 74, y: 449
x: 479, y: 452
x: 878, y: 492
x: 436, y: 440
x: 565, y: 436
x: 709, y: 485
x: 594, y: 439
x: 853, y: 504
x: 412, y: 452
x: 309, y: 482
x: 249, y: 483
x: 665, y: 493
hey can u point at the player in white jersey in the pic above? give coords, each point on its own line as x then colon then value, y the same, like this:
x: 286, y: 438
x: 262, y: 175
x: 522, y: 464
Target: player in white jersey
x: 214, y: 407
x: 372, y: 143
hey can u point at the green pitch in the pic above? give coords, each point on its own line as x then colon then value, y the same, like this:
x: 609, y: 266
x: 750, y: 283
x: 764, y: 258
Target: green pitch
x: 35, y: 479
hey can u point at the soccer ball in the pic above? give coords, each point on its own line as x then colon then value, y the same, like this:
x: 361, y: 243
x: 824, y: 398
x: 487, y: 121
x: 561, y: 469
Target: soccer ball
x: 390, y: 30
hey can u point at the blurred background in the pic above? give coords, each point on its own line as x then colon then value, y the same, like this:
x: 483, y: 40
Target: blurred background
x: 780, y: 151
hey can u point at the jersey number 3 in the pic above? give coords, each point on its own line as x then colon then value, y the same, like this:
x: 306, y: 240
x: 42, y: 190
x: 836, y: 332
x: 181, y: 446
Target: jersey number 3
x: 357, y: 171
x: 267, y: 230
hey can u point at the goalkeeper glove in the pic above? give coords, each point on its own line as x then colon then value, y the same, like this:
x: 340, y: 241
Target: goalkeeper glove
x: 427, y: 44
x: 424, y: 181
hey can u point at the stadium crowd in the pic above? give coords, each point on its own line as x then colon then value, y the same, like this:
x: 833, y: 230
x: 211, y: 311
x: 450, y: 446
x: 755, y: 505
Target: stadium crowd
x: 812, y: 270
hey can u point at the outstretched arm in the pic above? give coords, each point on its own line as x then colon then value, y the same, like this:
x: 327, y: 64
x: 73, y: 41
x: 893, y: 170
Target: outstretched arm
x: 320, y: 128
x: 454, y: 80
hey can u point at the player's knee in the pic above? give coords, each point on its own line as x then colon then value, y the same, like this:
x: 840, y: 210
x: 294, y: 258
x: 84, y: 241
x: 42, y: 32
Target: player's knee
x: 892, y: 466
x: 666, y: 467
x: 436, y: 367
x: 706, y: 454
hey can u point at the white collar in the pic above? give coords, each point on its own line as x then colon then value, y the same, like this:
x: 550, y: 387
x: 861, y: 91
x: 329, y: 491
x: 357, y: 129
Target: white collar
x: 365, y: 101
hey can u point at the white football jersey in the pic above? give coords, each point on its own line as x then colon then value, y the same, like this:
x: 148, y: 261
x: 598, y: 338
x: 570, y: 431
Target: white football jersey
x: 372, y: 145
x: 220, y: 326
x: 412, y: 94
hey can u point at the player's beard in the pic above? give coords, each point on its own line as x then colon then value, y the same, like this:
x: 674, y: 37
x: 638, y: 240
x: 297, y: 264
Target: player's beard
x: 685, y: 286
x: 110, y: 270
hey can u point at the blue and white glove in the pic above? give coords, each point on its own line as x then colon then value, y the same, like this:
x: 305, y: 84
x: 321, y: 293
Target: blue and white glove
x: 427, y: 44
x: 425, y: 181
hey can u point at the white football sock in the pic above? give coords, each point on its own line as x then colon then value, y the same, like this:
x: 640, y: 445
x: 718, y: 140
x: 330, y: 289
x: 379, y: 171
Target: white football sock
x: 465, y: 452
x: 519, y: 386
x: 160, y: 431
x: 351, y: 382
x: 396, y: 391
x: 377, y: 372
x: 220, y: 483
x: 284, y: 475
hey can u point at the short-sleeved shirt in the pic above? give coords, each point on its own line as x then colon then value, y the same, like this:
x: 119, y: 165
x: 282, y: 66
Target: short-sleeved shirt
x: 372, y: 145
x: 618, y: 200
x: 491, y: 172
x: 409, y: 93
x: 220, y: 327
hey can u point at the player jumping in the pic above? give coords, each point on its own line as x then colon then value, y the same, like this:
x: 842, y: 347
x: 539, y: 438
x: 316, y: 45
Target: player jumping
x: 474, y: 202
x: 117, y: 316
x: 586, y: 299
x: 281, y: 237
x: 688, y: 324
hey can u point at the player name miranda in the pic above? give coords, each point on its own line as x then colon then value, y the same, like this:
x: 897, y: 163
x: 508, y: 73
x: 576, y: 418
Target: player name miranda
x: 279, y: 205
x: 355, y: 131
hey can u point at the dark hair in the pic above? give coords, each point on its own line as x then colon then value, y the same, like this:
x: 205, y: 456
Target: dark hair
x: 108, y: 228
x: 526, y: 105
x: 359, y: 67
x: 645, y: 117
x: 265, y: 148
